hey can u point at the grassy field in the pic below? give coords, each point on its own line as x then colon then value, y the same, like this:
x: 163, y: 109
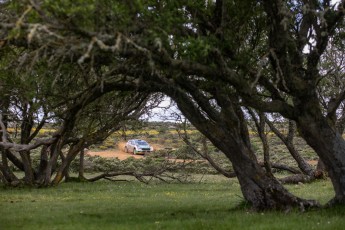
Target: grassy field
x: 215, y: 203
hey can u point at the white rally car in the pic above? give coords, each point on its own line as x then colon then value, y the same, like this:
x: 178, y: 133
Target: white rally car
x: 137, y: 146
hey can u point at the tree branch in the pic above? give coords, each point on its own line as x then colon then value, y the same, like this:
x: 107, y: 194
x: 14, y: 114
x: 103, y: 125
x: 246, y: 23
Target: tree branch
x: 27, y: 147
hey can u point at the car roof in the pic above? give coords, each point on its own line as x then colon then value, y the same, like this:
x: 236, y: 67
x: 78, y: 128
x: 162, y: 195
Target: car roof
x: 136, y: 140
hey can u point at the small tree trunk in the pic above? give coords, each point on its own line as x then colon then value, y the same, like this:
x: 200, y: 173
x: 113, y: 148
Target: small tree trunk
x: 63, y: 159
x: 63, y: 169
x: 6, y: 173
x: 81, y: 164
x: 5, y: 169
x: 55, y: 151
x: 42, y: 168
x: 340, y: 123
x: 16, y: 161
x: 29, y: 172
x: 260, y: 127
x: 266, y: 148
x: 301, y: 162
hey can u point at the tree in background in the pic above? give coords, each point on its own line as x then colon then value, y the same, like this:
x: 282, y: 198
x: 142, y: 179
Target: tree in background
x: 79, y: 114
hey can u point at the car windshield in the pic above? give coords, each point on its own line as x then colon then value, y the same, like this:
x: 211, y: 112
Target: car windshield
x: 142, y: 143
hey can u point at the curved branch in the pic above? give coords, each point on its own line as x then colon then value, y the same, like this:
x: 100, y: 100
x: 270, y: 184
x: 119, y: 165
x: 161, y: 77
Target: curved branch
x: 27, y: 147
x: 334, y: 104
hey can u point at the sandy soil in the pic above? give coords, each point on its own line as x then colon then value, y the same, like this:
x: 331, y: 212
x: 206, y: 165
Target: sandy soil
x: 313, y: 162
x: 119, y: 152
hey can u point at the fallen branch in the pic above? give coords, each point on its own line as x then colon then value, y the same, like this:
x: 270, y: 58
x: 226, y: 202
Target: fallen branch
x: 158, y: 174
x: 109, y: 175
x: 296, y: 179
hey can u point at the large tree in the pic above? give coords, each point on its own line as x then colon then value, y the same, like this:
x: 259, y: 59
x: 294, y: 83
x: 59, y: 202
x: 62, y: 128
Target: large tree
x: 211, y: 58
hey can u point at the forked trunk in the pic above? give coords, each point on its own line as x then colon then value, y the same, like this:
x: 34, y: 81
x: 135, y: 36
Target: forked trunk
x: 227, y: 130
x: 288, y: 141
x: 262, y: 190
x: 63, y: 169
x: 55, y: 151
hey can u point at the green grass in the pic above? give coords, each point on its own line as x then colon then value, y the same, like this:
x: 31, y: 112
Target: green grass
x: 212, y: 204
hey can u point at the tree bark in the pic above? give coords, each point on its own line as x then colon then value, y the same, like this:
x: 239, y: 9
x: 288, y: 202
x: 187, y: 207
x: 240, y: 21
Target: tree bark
x: 330, y: 146
x: 7, y: 174
x: 16, y: 161
x: 260, y: 189
x: 63, y: 169
x: 42, y: 168
x: 81, y: 164
x: 55, y: 151
x: 63, y: 159
x: 260, y: 126
x: 6, y: 171
x: 29, y: 172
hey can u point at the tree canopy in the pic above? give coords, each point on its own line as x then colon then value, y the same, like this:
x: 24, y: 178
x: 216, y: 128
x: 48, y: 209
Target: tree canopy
x: 211, y: 57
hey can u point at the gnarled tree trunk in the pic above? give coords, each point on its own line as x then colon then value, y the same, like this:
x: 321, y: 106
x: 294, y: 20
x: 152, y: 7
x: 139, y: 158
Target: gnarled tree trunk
x: 261, y: 190
x: 330, y: 146
x: 227, y: 130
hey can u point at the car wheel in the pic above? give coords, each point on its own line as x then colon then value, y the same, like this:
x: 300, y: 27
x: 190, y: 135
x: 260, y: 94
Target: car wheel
x: 134, y: 151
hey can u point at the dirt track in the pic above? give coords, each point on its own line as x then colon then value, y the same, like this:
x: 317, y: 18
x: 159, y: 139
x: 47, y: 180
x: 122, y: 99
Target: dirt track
x: 122, y: 155
x: 119, y: 152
